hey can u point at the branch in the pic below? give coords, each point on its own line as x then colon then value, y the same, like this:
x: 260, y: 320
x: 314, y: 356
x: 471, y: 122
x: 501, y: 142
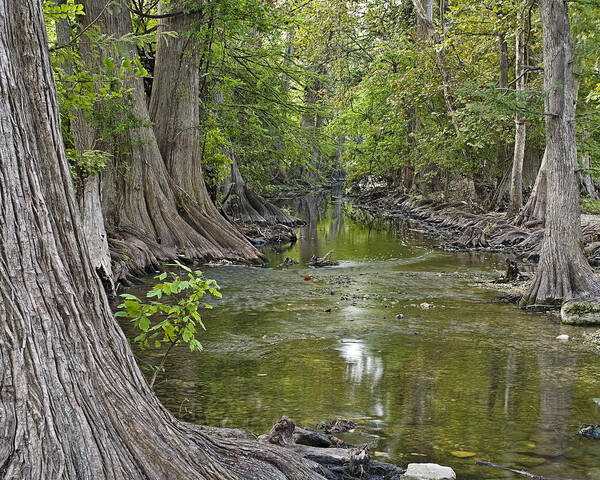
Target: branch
x: 84, y: 30
x: 162, y: 15
x: 519, y: 472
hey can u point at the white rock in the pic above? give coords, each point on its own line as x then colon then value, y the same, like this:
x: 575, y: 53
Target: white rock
x: 428, y: 471
x: 563, y: 338
x: 426, y: 306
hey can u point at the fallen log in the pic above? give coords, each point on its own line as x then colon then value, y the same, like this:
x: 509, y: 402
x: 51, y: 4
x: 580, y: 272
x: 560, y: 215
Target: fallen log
x: 311, y: 438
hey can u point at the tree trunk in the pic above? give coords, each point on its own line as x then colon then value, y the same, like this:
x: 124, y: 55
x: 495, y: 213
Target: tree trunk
x: 175, y: 112
x: 73, y: 403
x: 563, y: 272
x: 424, y: 18
x: 89, y: 196
x: 534, y: 210
x: 244, y: 206
x: 586, y: 184
x: 497, y: 199
x: 516, y: 183
x: 140, y: 208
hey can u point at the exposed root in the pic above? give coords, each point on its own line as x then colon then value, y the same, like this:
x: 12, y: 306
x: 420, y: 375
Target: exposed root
x: 463, y: 229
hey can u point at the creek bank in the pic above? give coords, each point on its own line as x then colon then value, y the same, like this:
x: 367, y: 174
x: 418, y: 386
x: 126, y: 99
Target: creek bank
x: 466, y: 227
x: 341, y: 461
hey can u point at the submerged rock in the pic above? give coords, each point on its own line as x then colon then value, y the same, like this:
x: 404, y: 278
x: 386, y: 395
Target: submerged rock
x: 581, y: 312
x: 590, y: 431
x: 428, y: 471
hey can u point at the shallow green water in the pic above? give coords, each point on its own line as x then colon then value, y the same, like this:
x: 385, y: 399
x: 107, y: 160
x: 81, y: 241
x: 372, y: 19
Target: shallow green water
x: 469, y: 375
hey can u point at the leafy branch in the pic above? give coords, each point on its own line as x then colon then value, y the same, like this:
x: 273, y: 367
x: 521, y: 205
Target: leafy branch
x: 172, y: 323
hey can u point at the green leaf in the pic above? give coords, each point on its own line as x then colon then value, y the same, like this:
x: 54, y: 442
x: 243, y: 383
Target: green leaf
x: 129, y: 297
x: 110, y: 63
x: 144, y: 324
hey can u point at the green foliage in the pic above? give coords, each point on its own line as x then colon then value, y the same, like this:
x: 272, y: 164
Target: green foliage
x: 175, y: 322
x: 89, y: 162
x: 65, y: 10
x: 296, y: 89
x: 590, y: 206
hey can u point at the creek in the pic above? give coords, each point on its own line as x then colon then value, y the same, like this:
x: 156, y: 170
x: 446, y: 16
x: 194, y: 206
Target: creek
x: 469, y: 379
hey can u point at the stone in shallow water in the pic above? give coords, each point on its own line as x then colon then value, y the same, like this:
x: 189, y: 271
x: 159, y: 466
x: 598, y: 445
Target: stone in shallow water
x: 428, y: 471
x: 590, y: 431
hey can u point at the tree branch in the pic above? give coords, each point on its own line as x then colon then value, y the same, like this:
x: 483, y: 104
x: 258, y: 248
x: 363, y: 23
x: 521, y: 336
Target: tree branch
x: 519, y: 472
x: 74, y: 39
x: 162, y: 15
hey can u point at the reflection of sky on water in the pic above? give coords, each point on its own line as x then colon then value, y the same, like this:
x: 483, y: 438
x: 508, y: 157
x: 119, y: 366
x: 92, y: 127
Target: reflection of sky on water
x: 361, y: 365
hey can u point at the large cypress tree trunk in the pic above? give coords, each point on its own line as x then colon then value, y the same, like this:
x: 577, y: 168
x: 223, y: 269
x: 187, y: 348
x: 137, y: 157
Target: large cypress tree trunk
x: 73, y: 403
x: 175, y: 112
x: 141, y: 210
x: 563, y: 271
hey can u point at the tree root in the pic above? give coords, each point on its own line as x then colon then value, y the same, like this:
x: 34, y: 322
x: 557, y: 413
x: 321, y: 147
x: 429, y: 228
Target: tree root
x: 463, y: 229
x: 347, y: 463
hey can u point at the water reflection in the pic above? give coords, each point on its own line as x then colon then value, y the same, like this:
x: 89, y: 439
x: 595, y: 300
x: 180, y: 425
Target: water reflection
x: 468, y: 375
x: 361, y: 364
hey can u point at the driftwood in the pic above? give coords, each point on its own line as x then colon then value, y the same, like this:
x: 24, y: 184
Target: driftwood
x: 519, y: 472
x: 322, y: 261
x: 338, y: 463
x: 311, y: 438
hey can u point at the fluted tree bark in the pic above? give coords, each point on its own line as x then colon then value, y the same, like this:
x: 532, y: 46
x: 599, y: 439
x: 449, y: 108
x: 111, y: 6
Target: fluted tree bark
x: 142, y: 212
x: 73, y: 403
x: 534, y: 210
x: 175, y: 113
x: 89, y: 194
x: 563, y: 271
x: 244, y: 206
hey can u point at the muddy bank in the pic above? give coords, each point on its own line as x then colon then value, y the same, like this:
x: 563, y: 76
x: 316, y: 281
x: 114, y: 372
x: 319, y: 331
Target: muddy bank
x: 463, y: 227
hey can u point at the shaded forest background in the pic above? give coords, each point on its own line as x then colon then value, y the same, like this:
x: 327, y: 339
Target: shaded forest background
x: 180, y: 116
